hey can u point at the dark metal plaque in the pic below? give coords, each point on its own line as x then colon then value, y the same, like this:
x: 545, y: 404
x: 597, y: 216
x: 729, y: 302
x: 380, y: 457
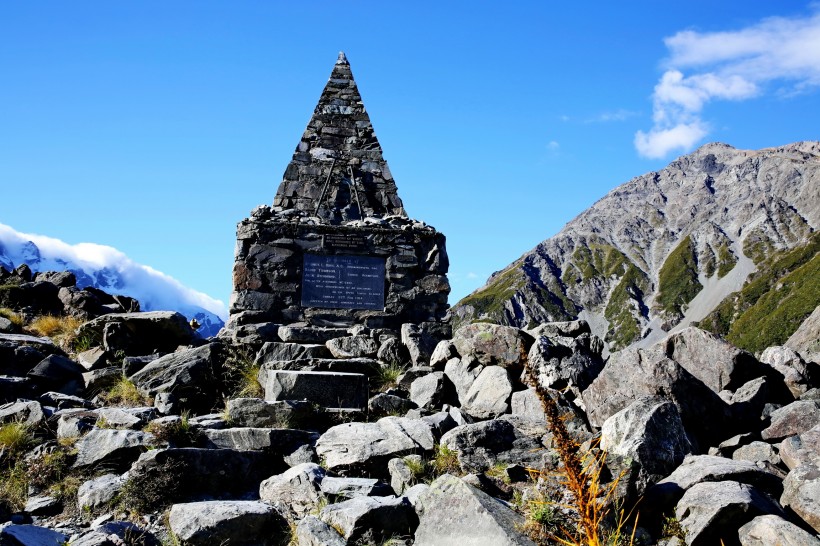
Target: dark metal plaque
x: 344, y: 241
x: 343, y: 282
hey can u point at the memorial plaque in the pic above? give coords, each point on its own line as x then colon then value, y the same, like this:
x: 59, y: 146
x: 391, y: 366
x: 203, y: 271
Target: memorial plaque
x: 344, y: 241
x: 343, y: 282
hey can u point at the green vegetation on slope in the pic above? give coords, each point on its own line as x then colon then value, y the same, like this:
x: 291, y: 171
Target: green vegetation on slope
x: 491, y: 300
x: 678, y: 279
x: 726, y: 260
x: 624, y: 327
x: 595, y: 260
x: 773, y: 303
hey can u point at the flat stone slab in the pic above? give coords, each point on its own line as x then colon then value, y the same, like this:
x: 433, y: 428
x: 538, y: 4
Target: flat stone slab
x: 327, y: 389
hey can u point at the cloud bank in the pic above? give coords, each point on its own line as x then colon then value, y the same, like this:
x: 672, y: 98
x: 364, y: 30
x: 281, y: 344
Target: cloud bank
x: 154, y: 289
x: 778, y: 54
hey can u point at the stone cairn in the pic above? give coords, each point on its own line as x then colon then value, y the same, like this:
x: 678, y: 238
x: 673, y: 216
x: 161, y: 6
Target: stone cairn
x: 336, y: 258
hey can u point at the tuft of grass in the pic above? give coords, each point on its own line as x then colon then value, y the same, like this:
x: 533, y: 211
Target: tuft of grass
x: 62, y: 329
x: 445, y: 461
x: 83, y: 343
x: 15, y: 437
x: 388, y: 375
x: 14, y: 486
x: 124, y: 393
x: 241, y: 375
x: 672, y: 528
x: 177, y: 434
x: 15, y: 318
x: 543, y: 521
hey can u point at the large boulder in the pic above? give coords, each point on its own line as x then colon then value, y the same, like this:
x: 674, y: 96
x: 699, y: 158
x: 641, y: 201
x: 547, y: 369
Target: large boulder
x: 480, y: 446
x: 311, y: 531
x: 58, y: 373
x: 492, y: 344
x: 111, y: 447
x: 564, y: 364
x: 255, y: 412
x: 771, y: 529
x: 228, y: 522
x: 369, y: 446
x: 98, y: 493
x: 326, y: 389
x: 718, y: 364
x: 276, y: 351
x: 457, y: 514
x: 795, y: 372
x: 371, y: 520
x: 30, y: 535
x: 191, y: 375
x: 431, y: 391
x: 489, y: 395
x: 801, y: 448
x: 462, y: 373
x: 296, y: 492
x: 634, y: 373
x: 352, y: 347
x: 275, y: 441
x: 421, y: 340
x: 712, y: 511
x: 792, y: 419
x: 650, y: 433
x: 801, y: 493
x: 806, y: 339
x: 29, y: 413
x: 140, y: 333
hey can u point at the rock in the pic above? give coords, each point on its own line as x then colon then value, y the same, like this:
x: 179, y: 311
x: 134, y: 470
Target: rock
x: 302, y: 333
x: 111, y: 447
x: 142, y: 333
x: 457, y: 514
x: 187, y: 474
x: 393, y: 353
x: 444, y: 351
x: 229, y: 522
x: 43, y: 506
x: 649, y: 432
x: 96, y: 494
x: 327, y: 389
x: 93, y: 359
x: 133, y: 364
x: 126, y: 417
x: 312, y: 531
x: 769, y: 529
x: 806, y: 339
x: 116, y: 533
x: 62, y: 401
x: 801, y: 493
x: 350, y: 488
x: 707, y: 468
x: 26, y: 412
x: 254, y: 412
x: 297, y: 492
x: 421, y: 340
x: 527, y: 405
x: 748, y: 401
x: 6, y: 326
x: 792, y: 419
x: 713, y: 510
x: 802, y: 448
x: 491, y: 344
x: 489, y: 395
x: 253, y: 335
x: 388, y: 404
x: 401, y: 475
x: 715, y: 362
x: 352, y: 347
x: 12, y: 388
x: 756, y: 451
x: 190, y: 374
x: 633, y: 373
x: 58, y: 373
x: 462, y: 373
x: 430, y: 391
x: 101, y: 380
x: 279, y: 351
x: 371, y: 519
x: 275, y: 441
x: 411, y: 374
x: 353, y: 446
x: 30, y: 535
x: 74, y: 423
x: 788, y: 364
x: 569, y: 366
x: 479, y: 446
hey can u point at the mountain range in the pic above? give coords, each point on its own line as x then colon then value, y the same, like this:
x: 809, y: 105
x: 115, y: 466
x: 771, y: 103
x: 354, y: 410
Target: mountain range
x: 110, y: 270
x: 722, y: 237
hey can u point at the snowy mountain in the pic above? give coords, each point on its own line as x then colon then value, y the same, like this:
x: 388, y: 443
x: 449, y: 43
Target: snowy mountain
x: 109, y: 269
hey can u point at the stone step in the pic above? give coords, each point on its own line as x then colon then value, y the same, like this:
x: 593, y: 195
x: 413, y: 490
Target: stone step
x: 327, y: 389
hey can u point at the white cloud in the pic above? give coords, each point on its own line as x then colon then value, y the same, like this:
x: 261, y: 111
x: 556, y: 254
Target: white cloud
x: 154, y: 289
x: 620, y: 114
x: 778, y: 52
x: 472, y: 275
x: 553, y: 146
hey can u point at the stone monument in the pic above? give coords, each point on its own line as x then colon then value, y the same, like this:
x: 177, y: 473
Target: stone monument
x: 334, y: 282
x: 337, y: 248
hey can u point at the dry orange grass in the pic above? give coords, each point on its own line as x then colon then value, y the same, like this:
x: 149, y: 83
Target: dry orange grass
x: 62, y: 329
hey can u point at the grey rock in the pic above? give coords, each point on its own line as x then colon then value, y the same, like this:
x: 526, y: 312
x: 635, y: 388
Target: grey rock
x: 30, y: 535
x: 649, y: 432
x: 254, y: 412
x: 479, y: 446
x: 230, y: 522
x: 95, y: 494
x: 311, y: 531
x: 489, y: 395
x: 97, y: 381
x: 58, y: 373
x: 189, y: 374
x: 757, y: 451
x: 296, y: 492
x: 430, y: 391
x: 491, y: 344
x: 769, y: 529
x: 421, y: 340
x: 335, y: 487
x: 302, y: 333
x: 462, y: 373
x: 444, y: 351
x: 371, y: 518
x: 411, y: 374
x: 118, y: 448
x: 93, y: 359
x: 327, y: 389
x: 143, y: 333
x: 74, y: 423
x: 457, y: 514
x: 27, y: 412
x: 126, y: 417
x: 788, y: 363
x: 801, y: 448
x: 43, y: 506
x: 564, y: 364
x: 393, y: 353
x: 806, y: 339
x: 401, y: 476
x: 6, y: 326
x: 708, y: 511
x: 281, y: 441
x: 792, y: 419
x: 352, y: 446
x: 280, y: 351
x: 388, y: 404
x: 526, y: 404
x: 352, y: 347
x: 801, y: 493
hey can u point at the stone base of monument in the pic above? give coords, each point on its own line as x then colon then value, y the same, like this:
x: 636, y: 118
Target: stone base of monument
x: 331, y: 390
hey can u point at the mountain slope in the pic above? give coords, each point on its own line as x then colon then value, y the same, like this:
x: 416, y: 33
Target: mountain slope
x: 110, y: 270
x: 663, y: 249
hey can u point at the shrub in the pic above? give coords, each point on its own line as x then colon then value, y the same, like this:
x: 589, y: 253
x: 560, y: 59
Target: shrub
x: 124, y: 393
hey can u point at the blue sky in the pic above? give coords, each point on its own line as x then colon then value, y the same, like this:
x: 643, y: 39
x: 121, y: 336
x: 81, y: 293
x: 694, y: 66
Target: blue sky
x: 154, y: 127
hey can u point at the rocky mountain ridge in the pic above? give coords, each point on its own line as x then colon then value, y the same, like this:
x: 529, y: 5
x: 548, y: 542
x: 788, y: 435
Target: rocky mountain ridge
x: 665, y: 248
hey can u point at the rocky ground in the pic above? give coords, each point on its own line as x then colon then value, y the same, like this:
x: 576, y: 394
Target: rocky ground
x: 120, y: 427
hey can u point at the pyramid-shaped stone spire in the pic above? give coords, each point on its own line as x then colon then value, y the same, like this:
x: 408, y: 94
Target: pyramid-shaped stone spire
x: 338, y: 172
